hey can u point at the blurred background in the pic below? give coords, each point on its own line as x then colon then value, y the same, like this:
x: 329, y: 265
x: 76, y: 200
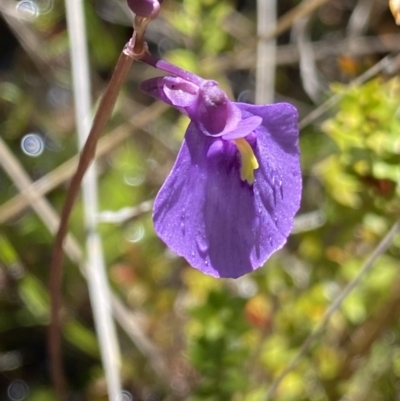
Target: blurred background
x: 183, y: 335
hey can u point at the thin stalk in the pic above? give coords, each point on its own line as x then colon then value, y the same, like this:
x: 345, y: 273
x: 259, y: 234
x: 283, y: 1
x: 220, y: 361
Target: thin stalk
x: 100, y: 120
x: 96, y: 271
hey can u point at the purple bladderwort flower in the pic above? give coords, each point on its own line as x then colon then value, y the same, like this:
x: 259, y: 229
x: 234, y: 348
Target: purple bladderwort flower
x: 230, y: 199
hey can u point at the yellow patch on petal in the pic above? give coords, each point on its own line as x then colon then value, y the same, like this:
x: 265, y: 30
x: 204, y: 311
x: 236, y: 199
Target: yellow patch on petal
x: 248, y: 160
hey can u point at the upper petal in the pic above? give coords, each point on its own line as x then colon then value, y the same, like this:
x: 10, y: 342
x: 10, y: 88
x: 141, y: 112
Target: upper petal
x: 172, y: 90
x: 244, y: 128
x: 280, y: 121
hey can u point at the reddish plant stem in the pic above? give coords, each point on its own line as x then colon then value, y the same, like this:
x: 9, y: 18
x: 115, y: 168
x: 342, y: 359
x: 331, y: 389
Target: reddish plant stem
x: 100, y: 120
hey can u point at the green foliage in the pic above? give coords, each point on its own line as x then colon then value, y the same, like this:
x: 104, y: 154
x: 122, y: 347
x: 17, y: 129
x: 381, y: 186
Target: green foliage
x: 200, y: 21
x: 35, y: 297
x: 365, y: 170
x: 218, y: 347
x: 82, y: 338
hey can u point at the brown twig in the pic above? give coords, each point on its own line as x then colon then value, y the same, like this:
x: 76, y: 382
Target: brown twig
x: 100, y: 120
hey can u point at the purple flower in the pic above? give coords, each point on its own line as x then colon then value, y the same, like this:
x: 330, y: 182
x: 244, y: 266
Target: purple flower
x: 231, y: 196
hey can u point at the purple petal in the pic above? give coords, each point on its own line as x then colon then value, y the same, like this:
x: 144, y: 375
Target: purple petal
x: 278, y: 183
x: 172, y: 90
x: 218, y: 223
x: 244, y: 128
x: 172, y: 69
x: 203, y: 208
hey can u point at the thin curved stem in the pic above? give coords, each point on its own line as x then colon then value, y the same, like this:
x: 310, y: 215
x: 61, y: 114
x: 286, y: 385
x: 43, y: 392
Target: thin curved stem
x: 99, y: 291
x: 100, y: 120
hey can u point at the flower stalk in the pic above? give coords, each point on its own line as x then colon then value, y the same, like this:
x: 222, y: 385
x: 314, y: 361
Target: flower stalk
x: 87, y: 155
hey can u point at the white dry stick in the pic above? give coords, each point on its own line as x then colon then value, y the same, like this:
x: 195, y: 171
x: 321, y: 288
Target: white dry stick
x: 308, y: 67
x: 96, y: 273
x: 368, y: 265
x: 35, y: 190
x: 51, y: 220
x: 41, y: 206
x: 125, y: 214
x: 360, y: 18
x: 266, y: 52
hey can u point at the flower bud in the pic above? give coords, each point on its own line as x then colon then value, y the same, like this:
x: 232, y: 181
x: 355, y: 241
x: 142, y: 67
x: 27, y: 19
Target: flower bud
x: 145, y: 8
x: 214, y: 111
